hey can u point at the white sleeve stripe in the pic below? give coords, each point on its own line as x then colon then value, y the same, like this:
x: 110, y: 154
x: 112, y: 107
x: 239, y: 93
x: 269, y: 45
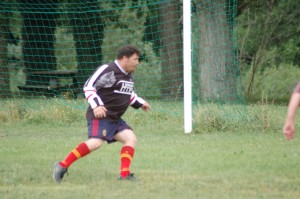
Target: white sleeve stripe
x: 140, y: 100
x: 89, y: 89
x: 135, y: 98
x: 93, y: 104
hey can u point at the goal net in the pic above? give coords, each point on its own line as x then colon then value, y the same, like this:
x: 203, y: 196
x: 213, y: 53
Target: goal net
x: 48, y: 49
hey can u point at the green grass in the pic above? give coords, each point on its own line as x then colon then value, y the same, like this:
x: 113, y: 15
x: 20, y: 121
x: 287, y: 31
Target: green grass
x: 237, y: 163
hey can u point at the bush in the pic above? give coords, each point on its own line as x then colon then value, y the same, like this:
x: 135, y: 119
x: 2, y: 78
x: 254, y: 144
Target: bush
x: 274, y: 83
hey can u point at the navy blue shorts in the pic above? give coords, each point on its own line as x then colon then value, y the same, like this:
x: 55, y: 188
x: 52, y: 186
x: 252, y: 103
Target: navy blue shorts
x: 106, y: 129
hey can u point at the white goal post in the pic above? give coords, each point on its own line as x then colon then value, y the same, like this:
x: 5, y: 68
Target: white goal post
x: 187, y: 66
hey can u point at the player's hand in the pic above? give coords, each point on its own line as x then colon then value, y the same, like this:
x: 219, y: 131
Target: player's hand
x: 146, y: 107
x: 289, y: 130
x: 99, y: 112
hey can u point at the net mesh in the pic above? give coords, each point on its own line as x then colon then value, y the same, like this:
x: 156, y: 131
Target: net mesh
x: 48, y: 48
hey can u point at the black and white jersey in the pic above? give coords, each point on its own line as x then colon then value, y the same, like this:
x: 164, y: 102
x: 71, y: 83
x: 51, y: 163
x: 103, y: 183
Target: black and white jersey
x: 113, y: 88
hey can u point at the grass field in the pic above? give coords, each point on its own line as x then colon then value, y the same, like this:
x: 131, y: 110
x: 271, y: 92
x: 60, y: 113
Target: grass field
x: 170, y: 164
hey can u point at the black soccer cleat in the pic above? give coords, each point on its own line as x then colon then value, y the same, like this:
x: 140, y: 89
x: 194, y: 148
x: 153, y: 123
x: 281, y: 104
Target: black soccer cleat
x: 58, y: 172
x: 130, y: 177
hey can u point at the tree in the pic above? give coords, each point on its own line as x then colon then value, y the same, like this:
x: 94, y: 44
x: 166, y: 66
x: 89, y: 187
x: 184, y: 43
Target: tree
x: 39, y: 23
x: 88, y: 27
x: 269, y: 37
x: 171, y: 49
x: 4, y: 75
x: 218, y: 69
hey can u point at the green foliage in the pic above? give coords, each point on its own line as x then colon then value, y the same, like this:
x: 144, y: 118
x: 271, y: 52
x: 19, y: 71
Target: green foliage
x: 12, y: 113
x: 123, y: 30
x: 264, y: 25
x: 263, y: 117
x: 40, y: 112
x: 148, y: 75
x: 289, y: 52
x: 57, y: 114
x: 268, y: 34
x: 274, y: 83
x: 207, y: 118
x: 267, y: 30
x: 17, y: 77
x: 65, y: 50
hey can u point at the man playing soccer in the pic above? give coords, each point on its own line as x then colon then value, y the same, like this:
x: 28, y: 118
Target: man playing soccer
x: 109, y: 91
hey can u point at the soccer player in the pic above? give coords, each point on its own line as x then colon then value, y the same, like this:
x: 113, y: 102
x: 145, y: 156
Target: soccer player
x: 289, y: 130
x: 109, y: 92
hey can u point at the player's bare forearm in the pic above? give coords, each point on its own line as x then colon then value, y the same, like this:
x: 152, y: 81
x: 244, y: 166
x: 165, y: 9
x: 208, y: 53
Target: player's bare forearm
x: 293, y: 106
x: 289, y: 126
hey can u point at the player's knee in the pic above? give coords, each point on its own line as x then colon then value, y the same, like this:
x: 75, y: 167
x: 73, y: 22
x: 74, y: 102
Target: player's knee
x: 94, y: 144
x: 127, y: 137
x: 131, y: 138
x: 134, y: 139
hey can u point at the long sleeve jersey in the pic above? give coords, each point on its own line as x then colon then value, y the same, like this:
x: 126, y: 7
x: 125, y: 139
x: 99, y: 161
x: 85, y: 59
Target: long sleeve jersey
x: 112, y: 87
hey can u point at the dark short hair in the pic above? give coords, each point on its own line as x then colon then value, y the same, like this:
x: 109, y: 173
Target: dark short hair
x: 128, y: 51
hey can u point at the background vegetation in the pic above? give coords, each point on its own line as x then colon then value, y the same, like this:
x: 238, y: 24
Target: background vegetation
x: 267, y: 42
x: 269, y: 54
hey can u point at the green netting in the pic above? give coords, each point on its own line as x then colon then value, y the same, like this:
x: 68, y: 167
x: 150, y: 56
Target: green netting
x: 48, y: 48
x: 216, y: 74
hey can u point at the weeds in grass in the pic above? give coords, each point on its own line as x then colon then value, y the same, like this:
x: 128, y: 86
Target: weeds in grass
x: 13, y: 113
x: 207, y: 118
x: 36, y: 112
x: 262, y: 117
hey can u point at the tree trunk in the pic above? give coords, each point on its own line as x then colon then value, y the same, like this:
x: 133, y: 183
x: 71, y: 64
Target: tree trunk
x: 4, y: 74
x: 171, y: 43
x: 38, y: 38
x: 88, y: 29
x: 217, y: 61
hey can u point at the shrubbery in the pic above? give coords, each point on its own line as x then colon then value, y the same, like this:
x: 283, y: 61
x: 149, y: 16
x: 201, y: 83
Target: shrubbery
x: 274, y: 83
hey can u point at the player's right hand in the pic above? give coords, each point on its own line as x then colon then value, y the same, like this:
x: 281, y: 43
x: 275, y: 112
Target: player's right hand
x: 99, y: 112
x: 289, y: 130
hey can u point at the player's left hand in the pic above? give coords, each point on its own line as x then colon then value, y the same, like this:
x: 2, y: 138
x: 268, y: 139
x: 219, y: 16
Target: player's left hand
x: 146, y: 107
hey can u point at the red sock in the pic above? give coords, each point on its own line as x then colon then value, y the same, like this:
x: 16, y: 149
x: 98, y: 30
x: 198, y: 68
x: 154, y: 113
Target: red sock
x: 80, y: 151
x: 126, y: 157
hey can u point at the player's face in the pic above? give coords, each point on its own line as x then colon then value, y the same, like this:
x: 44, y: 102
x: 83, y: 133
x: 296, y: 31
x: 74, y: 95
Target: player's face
x: 131, y: 63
